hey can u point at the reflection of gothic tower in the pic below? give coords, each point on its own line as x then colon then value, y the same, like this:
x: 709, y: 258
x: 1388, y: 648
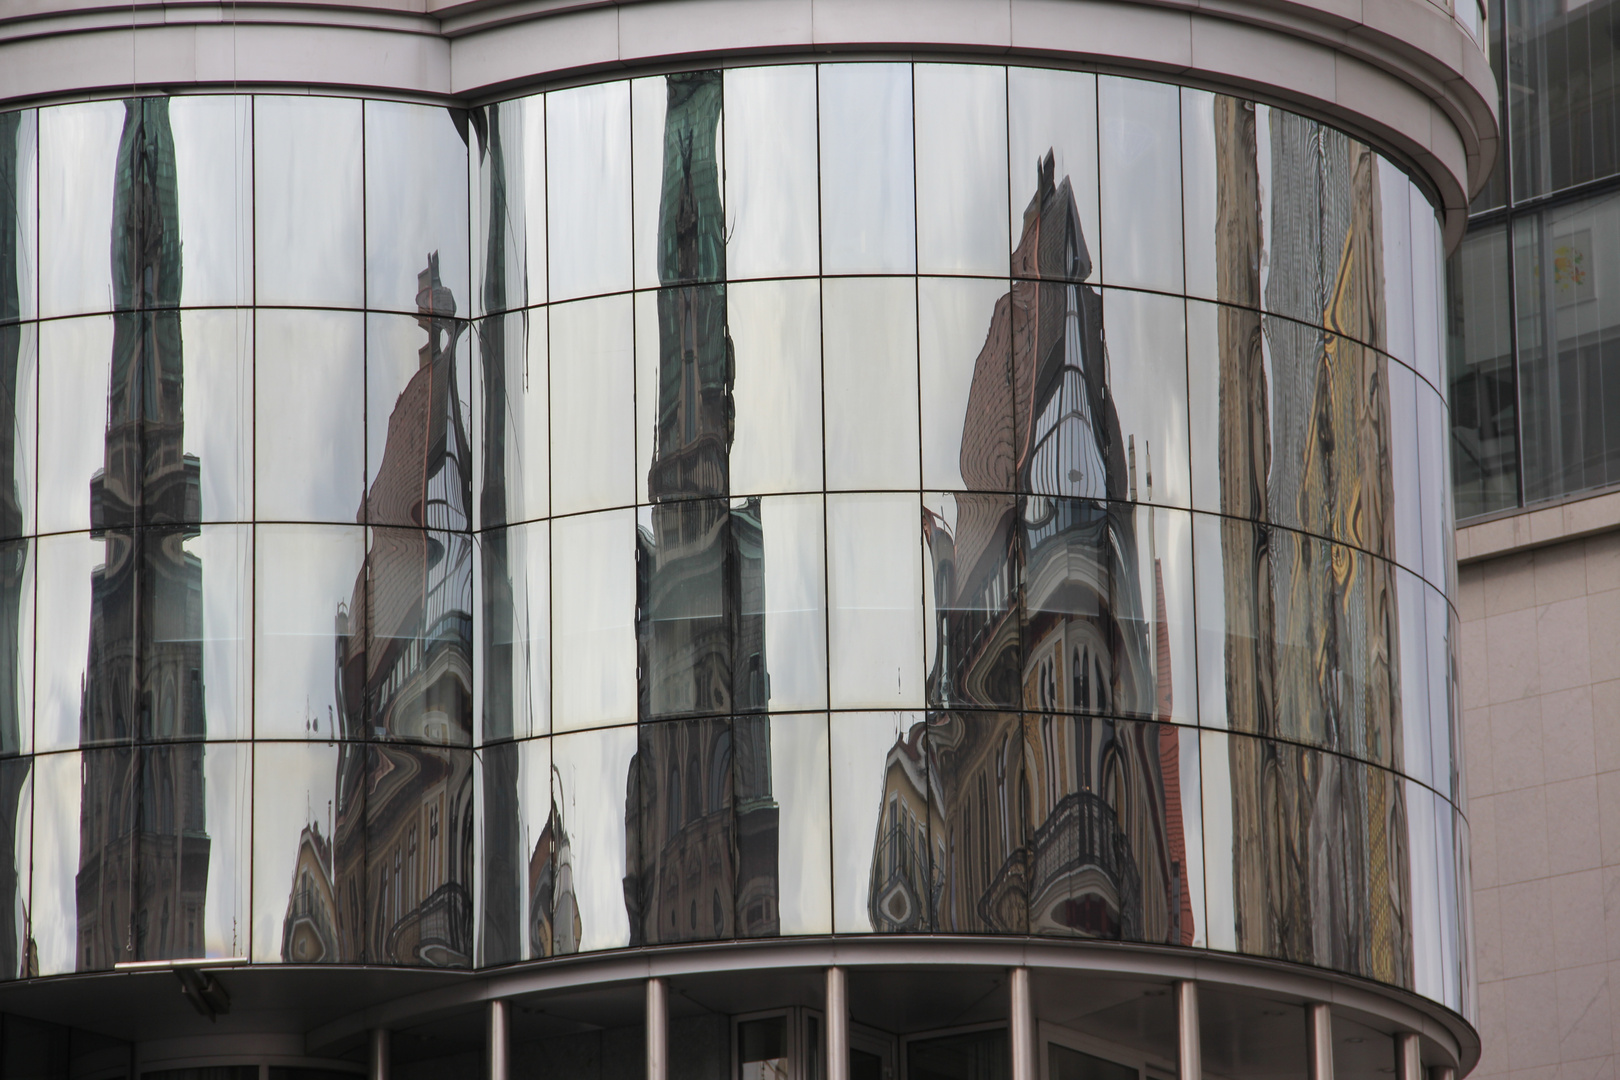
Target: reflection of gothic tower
x: 693, y: 828
x: 142, y: 823
x: 13, y: 556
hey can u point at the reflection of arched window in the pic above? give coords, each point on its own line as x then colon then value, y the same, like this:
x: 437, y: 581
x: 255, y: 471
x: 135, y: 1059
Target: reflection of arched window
x: 672, y: 801
x: 720, y: 774
x: 694, y: 787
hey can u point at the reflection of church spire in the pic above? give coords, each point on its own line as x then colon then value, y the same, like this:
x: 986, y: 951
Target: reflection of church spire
x: 142, y: 822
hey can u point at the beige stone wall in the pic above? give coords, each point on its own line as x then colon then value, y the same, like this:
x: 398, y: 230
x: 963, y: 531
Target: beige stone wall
x: 1541, y: 693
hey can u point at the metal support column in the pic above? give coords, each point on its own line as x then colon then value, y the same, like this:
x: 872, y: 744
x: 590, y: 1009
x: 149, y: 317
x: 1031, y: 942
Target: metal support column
x: 837, y: 1025
x: 657, y: 1031
x: 1408, y: 1056
x: 500, y: 1016
x: 1319, y: 1036
x: 377, y: 1068
x: 1442, y: 1072
x: 1021, y: 1022
x: 1187, y: 1034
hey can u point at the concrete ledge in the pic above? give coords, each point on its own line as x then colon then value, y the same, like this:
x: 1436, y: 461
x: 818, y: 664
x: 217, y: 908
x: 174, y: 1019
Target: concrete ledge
x: 1570, y: 519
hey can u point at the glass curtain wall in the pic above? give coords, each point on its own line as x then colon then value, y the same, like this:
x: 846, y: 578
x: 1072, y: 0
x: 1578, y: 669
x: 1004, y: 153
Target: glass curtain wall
x: 787, y: 500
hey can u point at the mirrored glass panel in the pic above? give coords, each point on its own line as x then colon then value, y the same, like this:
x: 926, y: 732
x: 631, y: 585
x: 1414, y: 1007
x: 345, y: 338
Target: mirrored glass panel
x: 592, y: 404
x: 972, y: 597
x: 17, y: 572
x: 308, y: 201
x: 788, y: 532
x: 685, y: 413
x: 1053, y: 114
x: 419, y: 647
x: 310, y: 402
x: 1419, y: 804
x: 85, y: 675
x: 512, y: 468
x: 309, y: 613
x: 208, y: 396
x: 57, y: 839
x: 1434, y: 479
x: 212, y: 152
x: 676, y: 137
x: 590, y: 778
x: 508, y: 194
x: 79, y: 165
x: 869, y: 367
x: 512, y: 594
x: 961, y: 118
x: 868, y: 205
x: 75, y: 410
x: 1415, y: 755
x: 1428, y: 290
x: 682, y: 850
x: 1395, y: 217
x: 418, y: 422
x: 1206, y: 325
x: 874, y: 599
x: 1406, y: 469
x: 1140, y: 186
x: 515, y: 872
x: 693, y: 577
x: 1146, y: 377
x: 593, y: 619
x: 19, y: 215
x: 965, y: 341
x: 416, y: 208
x: 309, y: 853
x: 588, y: 189
x: 196, y: 651
x: 797, y: 795
x: 881, y: 823
x: 19, y: 439
x: 193, y: 851
x: 418, y: 874
x: 16, y: 865
x: 775, y: 330
x: 771, y: 179
x: 1203, y: 146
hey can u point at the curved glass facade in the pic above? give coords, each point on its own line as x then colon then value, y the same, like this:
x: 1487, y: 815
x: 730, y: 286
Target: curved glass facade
x: 813, y: 499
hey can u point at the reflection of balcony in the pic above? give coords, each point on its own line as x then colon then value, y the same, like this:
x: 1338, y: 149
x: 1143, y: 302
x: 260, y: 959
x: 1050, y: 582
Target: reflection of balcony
x: 438, y: 933
x: 1084, y: 878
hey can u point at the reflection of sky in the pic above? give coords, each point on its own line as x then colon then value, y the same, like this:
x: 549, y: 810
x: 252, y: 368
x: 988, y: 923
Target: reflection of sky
x: 225, y: 552
x: 310, y: 370
x: 1141, y: 181
x: 307, y: 200
x: 1192, y: 818
x: 953, y: 319
x: 1427, y: 971
x: 776, y: 330
x: 1056, y: 111
x: 76, y: 370
x: 874, y: 578
x: 860, y: 748
x: 219, y: 408
x: 297, y: 786
x: 961, y: 152
x: 594, y: 603
x: 588, y: 169
x: 867, y: 201
x: 795, y: 582
x: 228, y: 777
x: 770, y: 174
x: 1171, y: 544
x: 1147, y: 383
x: 213, y: 175
x: 1220, y: 919
x: 56, y: 861
x: 78, y: 167
x: 649, y: 106
x: 26, y: 208
x: 594, y: 768
x: 305, y: 572
x: 416, y: 200
x: 804, y: 858
x: 63, y: 636
x: 593, y: 456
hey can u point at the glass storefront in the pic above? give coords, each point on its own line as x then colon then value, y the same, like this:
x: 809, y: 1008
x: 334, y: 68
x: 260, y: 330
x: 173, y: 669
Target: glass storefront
x: 789, y: 500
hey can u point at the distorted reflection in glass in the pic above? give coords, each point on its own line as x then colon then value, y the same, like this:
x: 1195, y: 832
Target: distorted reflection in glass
x: 1220, y: 895
x: 1445, y: 700
x: 1319, y: 859
x: 590, y: 781
x: 75, y: 377
x: 1416, y: 754
x: 869, y: 371
x: 592, y: 404
x: 588, y: 189
x: 308, y: 628
x: 1052, y: 112
x: 791, y: 534
x: 1428, y: 290
x: 799, y: 785
x: 1201, y: 146
x: 683, y: 840
x: 972, y: 599
x: 192, y: 850
x: 518, y: 828
x: 881, y: 823
x: 19, y: 214
x: 775, y: 330
x: 512, y: 470
x: 1427, y: 973
x: 961, y: 118
x: 308, y: 201
x: 17, y: 571
x: 694, y: 578
x: 417, y: 656
x: 419, y: 416
x: 213, y: 155
x: 868, y: 205
x: 195, y: 651
x: 874, y: 597
x: 416, y: 207
x: 1204, y: 324
x: 508, y: 193
x: 1395, y: 217
x: 676, y: 148
x: 1146, y: 374
x: 1405, y: 472
x: 309, y: 889
x: 212, y: 404
x: 593, y: 620
x: 965, y: 340
x: 79, y: 170
x: 1435, y: 479
x: 17, y: 953
x: 418, y: 874
x: 84, y: 668
x: 772, y: 220
x: 513, y: 598
x: 310, y: 403
x: 1456, y: 912
x: 57, y: 791
x: 684, y: 406
x: 110, y: 836
x: 19, y: 436
x: 1140, y: 188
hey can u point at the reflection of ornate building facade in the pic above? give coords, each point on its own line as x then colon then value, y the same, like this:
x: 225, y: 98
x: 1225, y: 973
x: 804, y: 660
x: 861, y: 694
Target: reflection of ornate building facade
x: 143, y: 843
